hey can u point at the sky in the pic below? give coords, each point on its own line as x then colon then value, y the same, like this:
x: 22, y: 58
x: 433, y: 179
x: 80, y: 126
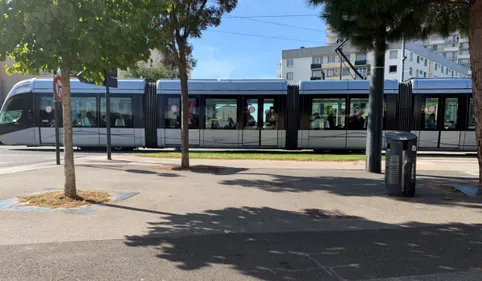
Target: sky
x: 221, y: 54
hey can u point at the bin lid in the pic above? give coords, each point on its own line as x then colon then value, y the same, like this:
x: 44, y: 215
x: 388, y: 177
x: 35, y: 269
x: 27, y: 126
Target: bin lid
x: 400, y: 136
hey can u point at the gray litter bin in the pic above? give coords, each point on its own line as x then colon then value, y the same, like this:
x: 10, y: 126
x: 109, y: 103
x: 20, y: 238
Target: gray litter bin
x: 400, y: 166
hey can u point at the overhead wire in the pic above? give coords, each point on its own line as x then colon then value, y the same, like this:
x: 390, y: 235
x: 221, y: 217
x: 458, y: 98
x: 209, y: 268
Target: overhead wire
x: 262, y: 36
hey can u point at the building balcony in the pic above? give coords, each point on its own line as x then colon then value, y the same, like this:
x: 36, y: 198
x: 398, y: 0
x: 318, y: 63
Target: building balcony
x: 331, y: 65
x: 437, y: 41
x: 451, y: 49
x: 464, y: 39
x: 360, y: 62
x: 316, y: 78
x: 464, y: 55
x: 316, y: 66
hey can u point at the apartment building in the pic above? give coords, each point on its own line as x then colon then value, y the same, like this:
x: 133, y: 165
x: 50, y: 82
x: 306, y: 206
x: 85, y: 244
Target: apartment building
x: 455, y: 47
x: 324, y: 63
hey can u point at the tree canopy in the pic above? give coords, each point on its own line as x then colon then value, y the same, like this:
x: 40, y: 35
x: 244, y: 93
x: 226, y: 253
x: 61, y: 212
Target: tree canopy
x: 86, y: 35
x: 150, y: 73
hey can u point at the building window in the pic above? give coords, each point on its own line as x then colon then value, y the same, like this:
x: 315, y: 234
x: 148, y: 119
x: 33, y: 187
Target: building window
x: 418, y: 59
x: 410, y: 71
x: 447, y: 71
x: 392, y: 69
x: 426, y: 62
x: 289, y: 76
x: 442, y: 69
x: 317, y: 60
x: 289, y: 62
x: 434, y: 47
x: 411, y: 56
x: 425, y: 75
x: 346, y: 72
x: 316, y: 73
x: 394, y: 54
x: 362, y: 71
x: 453, y: 73
x: 331, y: 59
x: 360, y: 56
x: 436, y: 67
x: 221, y: 114
x: 330, y: 73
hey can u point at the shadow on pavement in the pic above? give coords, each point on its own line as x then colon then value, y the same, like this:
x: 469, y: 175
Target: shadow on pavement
x: 368, y: 185
x: 271, y: 244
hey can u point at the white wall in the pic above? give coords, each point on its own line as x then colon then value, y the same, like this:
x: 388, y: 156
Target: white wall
x: 301, y: 69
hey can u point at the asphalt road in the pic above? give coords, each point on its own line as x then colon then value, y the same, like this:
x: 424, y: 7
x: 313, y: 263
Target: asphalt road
x: 452, y: 252
x: 22, y: 155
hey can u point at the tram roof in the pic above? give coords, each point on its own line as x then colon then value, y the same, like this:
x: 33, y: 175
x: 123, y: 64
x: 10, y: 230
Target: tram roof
x: 343, y: 87
x: 44, y: 85
x: 224, y: 87
x: 441, y: 86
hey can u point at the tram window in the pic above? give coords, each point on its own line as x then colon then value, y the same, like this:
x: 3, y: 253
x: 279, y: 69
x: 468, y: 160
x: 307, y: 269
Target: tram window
x: 327, y: 113
x: 358, y: 118
x: 451, y: 111
x: 193, y: 113
x: 120, y: 112
x: 430, y: 112
x: 172, y: 113
x: 251, y: 114
x: 270, y: 115
x: 221, y: 114
x: 471, y: 115
x: 84, y: 112
x: 16, y: 110
x: 47, y: 111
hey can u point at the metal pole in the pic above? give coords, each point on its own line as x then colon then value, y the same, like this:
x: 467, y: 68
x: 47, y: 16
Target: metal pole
x: 403, y: 61
x: 341, y: 68
x: 57, y: 134
x: 107, y: 120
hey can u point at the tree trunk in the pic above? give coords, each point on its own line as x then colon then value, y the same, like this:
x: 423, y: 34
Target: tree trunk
x: 375, y: 111
x: 69, y: 168
x: 475, y: 43
x: 184, y: 105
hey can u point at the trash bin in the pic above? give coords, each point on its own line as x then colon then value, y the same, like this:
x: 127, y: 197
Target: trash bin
x: 400, y: 163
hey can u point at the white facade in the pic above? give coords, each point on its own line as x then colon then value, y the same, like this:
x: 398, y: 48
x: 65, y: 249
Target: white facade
x: 455, y: 47
x: 312, y: 63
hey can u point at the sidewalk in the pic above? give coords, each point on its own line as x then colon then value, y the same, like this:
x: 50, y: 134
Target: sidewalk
x: 278, y: 185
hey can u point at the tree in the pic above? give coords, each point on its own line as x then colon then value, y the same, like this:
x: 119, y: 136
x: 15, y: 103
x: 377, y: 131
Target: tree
x: 182, y: 21
x: 371, y: 25
x: 446, y: 16
x: 150, y: 73
x: 73, y: 36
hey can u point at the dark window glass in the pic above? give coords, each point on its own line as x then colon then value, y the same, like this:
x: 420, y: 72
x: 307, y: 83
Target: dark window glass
x: 471, y: 114
x: 47, y: 111
x: 221, y: 113
x: 451, y: 113
x: 358, y: 118
x: 251, y: 114
x: 270, y: 116
x: 193, y: 113
x: 172, y: 113
x: 430, y: 112
x: 120, y: 112
x: 16, y: 110
x: 84, y: 113
x: 327, y: 113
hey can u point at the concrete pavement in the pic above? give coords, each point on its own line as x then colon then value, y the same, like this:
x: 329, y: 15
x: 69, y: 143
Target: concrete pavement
x: 247, y: 221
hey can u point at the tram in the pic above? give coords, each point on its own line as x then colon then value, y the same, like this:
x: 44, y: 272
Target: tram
x: 318, y: 115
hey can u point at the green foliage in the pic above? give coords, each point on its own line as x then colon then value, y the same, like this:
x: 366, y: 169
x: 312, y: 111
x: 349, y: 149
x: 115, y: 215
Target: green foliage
x: 84, y: 35
x: 368, y: 21
x: 448, y: 17
x: 188, y: 19
x: 150, y: 73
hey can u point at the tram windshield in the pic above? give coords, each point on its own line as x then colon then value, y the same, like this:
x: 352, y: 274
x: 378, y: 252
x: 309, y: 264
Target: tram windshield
x: 12, y: 110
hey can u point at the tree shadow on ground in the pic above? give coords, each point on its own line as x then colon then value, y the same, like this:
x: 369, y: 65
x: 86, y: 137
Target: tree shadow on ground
x: 430, y: 189
x: 271, y: 244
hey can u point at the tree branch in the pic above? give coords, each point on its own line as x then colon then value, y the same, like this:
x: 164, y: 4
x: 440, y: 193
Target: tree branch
x: 195, y: 19
x: 464, y: 3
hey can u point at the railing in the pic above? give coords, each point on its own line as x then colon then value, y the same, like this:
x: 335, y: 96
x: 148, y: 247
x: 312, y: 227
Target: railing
x: 315, y: 65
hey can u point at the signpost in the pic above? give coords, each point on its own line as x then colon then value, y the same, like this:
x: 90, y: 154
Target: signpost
x: 110, y: 80
x: 57, y: 99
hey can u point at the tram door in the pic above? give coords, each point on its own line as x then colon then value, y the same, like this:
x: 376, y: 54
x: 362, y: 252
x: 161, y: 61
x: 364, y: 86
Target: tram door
x: 260, y: 119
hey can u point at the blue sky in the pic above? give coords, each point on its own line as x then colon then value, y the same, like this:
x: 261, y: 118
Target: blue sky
x: 223, y: 55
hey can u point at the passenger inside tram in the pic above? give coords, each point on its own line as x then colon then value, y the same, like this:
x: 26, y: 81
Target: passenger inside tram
x: 271, y: 119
